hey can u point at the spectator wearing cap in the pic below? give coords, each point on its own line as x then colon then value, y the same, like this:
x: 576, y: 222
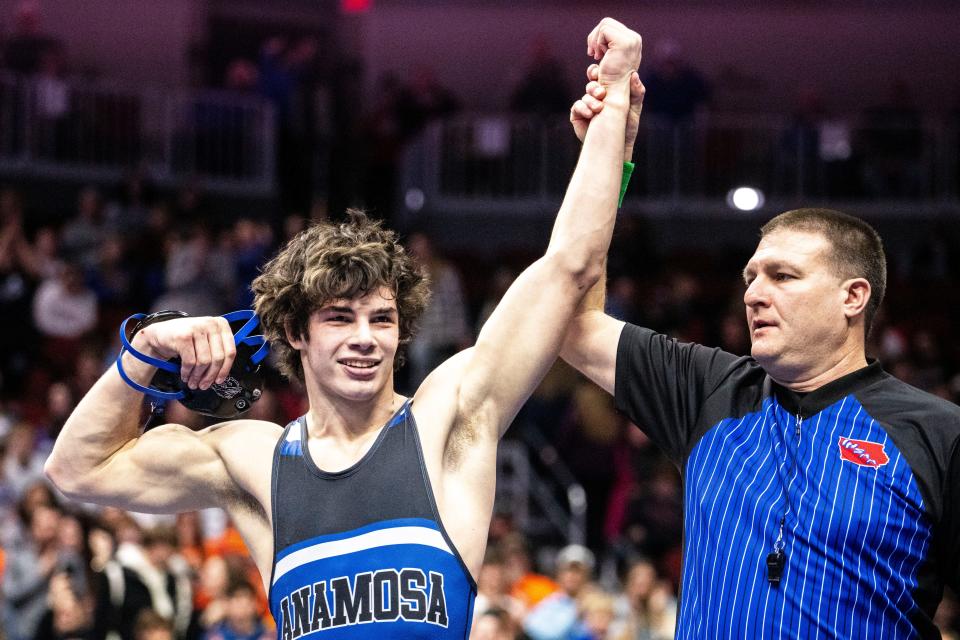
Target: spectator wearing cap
x: 556, y: 617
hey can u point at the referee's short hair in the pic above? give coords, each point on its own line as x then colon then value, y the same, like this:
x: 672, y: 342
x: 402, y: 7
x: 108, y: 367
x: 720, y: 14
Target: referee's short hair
x: 856, y: 248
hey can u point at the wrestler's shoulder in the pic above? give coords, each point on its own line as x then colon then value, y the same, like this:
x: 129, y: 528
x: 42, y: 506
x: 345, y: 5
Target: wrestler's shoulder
x: 243, y: 434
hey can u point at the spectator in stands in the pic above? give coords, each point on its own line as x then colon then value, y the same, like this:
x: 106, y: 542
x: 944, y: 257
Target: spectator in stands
x: 64, y: 311
x: 677, y: 304
x: 493, y: 624
x: 634, y: 459
x: 493, y: 589
x: 17, y: 284
x: 382, y: 146
x: 221, y: 147
x: 252, y: 244
x: 647, y: 608
x: 595, y: 615
x: 733, y: 336
x: 443, y: 325
x: 497, y: 285
x: 654, y: 513
x: 287, y: 80
x: 150, y: 625
x: 675, y: 89
x: 157, y: 565
x: 32, y: 561
x: 189, y: 529
x: 199, y: 275
x: 42, y: 258
x: 242, y: 620
x: 799, y: 147
x: 51, y: 106
x: 543, y: 90
x: 241, y: 76
x: 147, y: 251
x: 82, y: 235
x: 891, y: 143
x: 90, y: 365
x: 421, y: 100
x: 128, y: 209
x: 677, y: 92
x: 120, y: 595
x: 556, y: 616
x: 69, y: 615
x: 277, y: 78
x: 22, y: 462
x: 587, y: 441
x: 191, y: 206
x: 526, y: 585
x: 26, y: 47
x: 211, y: 601
x: 622, y: 298
x: 111, y: 278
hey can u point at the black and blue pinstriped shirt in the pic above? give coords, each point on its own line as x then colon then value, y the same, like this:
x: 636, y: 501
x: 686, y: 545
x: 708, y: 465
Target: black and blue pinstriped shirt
x: 864, y: 473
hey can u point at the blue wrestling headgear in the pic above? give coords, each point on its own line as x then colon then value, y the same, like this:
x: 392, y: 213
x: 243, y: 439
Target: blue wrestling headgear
x: 226, y: 400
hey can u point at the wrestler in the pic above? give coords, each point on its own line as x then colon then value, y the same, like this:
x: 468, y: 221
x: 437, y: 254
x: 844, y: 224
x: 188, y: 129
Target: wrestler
x: 368, y: 516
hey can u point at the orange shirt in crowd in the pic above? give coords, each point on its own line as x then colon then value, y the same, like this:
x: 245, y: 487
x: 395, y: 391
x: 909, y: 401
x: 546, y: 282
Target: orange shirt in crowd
x: 231, y: 543
x: 531, y: 588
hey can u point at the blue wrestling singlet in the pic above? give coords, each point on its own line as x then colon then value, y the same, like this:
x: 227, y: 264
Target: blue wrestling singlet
x: 361, y: 553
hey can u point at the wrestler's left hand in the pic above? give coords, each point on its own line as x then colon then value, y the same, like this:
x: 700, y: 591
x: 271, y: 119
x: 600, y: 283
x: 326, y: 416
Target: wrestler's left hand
x: 591, y: 104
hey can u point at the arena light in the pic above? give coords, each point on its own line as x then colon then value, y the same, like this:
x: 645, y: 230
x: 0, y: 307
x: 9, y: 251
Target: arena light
x: 745, y: 198
x: 414, y: 199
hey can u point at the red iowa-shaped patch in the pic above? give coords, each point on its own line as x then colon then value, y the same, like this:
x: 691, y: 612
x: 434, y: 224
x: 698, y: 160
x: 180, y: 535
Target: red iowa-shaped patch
x: 863, y: 452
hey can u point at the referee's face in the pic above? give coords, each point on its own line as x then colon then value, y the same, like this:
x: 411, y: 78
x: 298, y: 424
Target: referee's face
x: 795, y: 305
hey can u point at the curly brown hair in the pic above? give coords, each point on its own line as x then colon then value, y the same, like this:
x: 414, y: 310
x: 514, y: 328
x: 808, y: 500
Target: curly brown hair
x: 330, y: 261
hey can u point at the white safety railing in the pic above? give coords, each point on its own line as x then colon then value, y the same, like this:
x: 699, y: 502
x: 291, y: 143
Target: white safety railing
x: 88, y: 130
x: 483, y: 163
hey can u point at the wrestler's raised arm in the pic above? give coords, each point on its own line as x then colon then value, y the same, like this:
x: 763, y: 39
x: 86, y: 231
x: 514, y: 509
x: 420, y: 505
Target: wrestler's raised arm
x: 523, y: 336
x: 590, y: 345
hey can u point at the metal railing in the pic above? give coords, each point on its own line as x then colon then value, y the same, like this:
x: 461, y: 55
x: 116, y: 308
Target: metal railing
x: 543, y: 499
x: 482, y: 164
x: 91, y: 130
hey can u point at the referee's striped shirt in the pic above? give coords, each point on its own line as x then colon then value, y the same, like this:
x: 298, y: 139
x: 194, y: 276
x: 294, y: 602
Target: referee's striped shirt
x: 864, y: 474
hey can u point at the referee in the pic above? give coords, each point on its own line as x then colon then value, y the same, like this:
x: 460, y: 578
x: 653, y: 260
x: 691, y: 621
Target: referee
x: 822, y: 495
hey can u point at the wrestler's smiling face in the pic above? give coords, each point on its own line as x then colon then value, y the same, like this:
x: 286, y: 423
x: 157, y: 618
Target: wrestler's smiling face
x: 351, y: 346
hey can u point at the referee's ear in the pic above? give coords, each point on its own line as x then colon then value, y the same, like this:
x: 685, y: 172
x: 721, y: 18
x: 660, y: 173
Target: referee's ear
x: 856, y: 293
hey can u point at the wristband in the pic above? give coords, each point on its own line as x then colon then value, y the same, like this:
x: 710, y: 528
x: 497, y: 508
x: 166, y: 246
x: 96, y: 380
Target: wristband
x: 624, y: 181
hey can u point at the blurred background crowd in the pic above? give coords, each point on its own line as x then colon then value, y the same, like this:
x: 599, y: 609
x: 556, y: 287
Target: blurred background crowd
x: 125, y: 227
